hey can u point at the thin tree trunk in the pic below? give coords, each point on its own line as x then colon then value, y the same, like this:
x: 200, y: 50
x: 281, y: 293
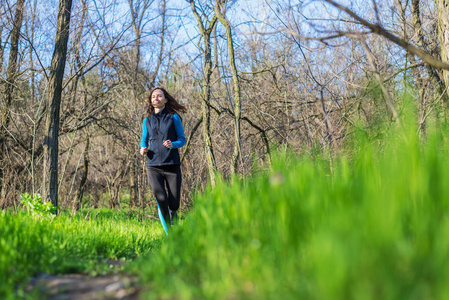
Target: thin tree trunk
x: 12, y: 66
x: 387, y: 95
x: 1, y: 48
x: 5, y: 116
x: 138, y: 13
x: 237, y: 97
x: 161, y: 49
x: 215, y: 43
x: 80, y: 194
x: 51, y: 149
x: 33, y: 73
x: 86, y: 159
x: 137, y: 35
x: 417, y: 26
x: 205, y: 108
x: 132, y: 185
x: 443, y: 32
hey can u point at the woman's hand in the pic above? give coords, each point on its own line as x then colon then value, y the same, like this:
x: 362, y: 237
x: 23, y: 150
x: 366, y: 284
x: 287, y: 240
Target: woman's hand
x: 168, y: 144
x: 143, y: 150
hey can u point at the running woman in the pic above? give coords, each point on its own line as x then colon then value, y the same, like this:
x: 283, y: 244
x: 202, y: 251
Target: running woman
x: 162, y: 136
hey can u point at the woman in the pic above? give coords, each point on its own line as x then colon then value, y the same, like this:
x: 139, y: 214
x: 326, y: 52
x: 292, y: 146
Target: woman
x: 163, y: 130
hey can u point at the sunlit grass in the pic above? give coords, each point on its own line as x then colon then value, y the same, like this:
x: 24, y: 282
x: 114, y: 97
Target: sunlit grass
x: 31, y: 245
x: 370, y: 224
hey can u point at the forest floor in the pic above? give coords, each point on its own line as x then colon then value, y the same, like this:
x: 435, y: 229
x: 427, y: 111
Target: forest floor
x: 85, y: 287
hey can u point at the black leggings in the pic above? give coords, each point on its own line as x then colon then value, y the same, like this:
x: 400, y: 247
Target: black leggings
x: 165, y: 181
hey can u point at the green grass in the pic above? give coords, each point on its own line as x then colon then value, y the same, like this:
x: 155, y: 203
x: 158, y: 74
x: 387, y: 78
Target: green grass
x: 369, y: 222
x: 372, y: 223
x: 31, y: 245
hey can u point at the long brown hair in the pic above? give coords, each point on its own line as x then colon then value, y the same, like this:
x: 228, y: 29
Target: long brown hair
x: 172, y: 106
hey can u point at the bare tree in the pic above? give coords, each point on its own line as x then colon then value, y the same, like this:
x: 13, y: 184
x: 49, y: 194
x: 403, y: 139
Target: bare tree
x: 378, y: 29
x: 51, y: 146
x: 10, y: 85
x: 443, y: 30
x: 271, y: 77
x: 386, y: 93
x: 206, y: 29
x: 220, y: 7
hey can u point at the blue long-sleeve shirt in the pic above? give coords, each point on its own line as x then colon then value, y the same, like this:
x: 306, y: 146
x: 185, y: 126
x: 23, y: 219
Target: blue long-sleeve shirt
x: 181, y: 141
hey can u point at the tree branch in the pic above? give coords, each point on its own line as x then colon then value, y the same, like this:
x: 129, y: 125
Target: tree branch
x: 378, y: 29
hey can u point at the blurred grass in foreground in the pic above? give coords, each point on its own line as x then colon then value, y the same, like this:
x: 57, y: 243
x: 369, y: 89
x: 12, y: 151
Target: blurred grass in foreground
x: 372, y: 223
x: 31, y: 245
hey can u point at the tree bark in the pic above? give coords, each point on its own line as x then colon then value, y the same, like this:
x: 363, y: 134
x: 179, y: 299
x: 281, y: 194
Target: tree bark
x: 388, y: 98
x: 418, y: 32
x: 1, y: 48
x: 51, y: 149
x: 5, y: 116
x: 31, y: 34
x: 138, y: 10
x: 161, y: 49
x: 237, y: 97
x: 133, y: 190
x: 80, y: 194
x: 205, y: 109
x: 443, y: 32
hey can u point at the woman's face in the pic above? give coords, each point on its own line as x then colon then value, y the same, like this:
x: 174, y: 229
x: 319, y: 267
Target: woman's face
x: 158, y: 99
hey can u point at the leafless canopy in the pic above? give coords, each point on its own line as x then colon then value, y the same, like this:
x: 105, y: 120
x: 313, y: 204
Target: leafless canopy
x: 257, y: 76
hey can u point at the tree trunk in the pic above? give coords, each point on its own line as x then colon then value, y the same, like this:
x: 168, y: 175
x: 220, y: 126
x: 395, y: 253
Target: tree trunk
x: 138, y: 10
x: 418, y: 32
x: 205, y: 107
x: 51, y: 150
x: 11, y: 75
x: 79, y: 196
x: 388, y: 98
x: 133, y: 191
x: 1, y: 48
x: 443, y: 32
x: 237, y: 97
x: 33, y: 73
x: 161, y: 49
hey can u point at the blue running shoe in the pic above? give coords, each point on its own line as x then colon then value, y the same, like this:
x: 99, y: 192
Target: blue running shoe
x: 173, y: 217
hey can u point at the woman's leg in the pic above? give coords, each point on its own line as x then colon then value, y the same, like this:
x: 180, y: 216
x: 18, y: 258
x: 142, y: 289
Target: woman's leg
x: 173, y: 178
x: 156, y: 179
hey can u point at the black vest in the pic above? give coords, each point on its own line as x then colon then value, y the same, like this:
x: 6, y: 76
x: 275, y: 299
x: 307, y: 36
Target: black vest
x: 161, y: 127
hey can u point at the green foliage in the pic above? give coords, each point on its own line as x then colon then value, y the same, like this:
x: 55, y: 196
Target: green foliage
x: 36, y: 206
x: 370, y: 225
x: 65, y: 244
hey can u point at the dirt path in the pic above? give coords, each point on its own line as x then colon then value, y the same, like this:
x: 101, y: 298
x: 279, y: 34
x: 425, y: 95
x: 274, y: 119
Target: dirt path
x: 78, y: 286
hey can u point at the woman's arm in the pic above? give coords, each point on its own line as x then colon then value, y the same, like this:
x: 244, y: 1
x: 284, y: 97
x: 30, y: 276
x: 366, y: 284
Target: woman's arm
x: 144, y: 140
x: 181, y: 141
